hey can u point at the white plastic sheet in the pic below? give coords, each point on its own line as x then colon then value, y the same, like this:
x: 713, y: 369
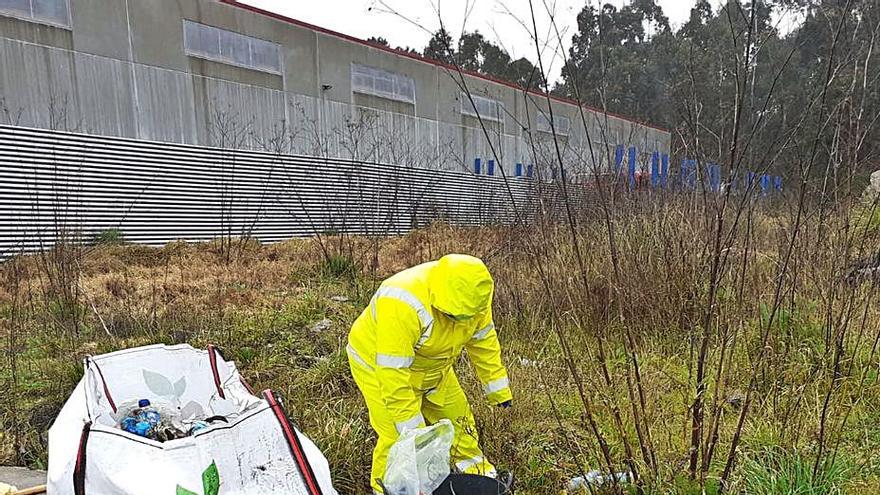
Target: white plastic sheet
x: 248, y: 455
x: 419, y: 461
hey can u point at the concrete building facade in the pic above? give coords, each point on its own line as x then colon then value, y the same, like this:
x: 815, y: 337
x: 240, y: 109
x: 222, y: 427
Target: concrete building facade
x: 225, y: 74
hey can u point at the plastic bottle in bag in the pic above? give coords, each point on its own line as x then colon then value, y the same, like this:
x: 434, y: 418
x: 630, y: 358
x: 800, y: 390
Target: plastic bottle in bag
x: 142, y: 420
x: 148, y: 413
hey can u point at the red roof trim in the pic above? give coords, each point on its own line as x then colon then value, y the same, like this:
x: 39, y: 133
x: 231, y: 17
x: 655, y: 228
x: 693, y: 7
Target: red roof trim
x: 420, y: 58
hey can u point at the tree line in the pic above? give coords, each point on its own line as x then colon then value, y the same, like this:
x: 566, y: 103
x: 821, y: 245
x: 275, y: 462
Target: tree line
x: 760, y: 62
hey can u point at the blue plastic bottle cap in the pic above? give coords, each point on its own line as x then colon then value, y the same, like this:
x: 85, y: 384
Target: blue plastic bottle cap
x: 143, y: 402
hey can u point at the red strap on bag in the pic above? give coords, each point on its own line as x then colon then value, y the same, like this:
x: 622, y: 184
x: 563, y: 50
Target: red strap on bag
x: 79, y: 470
x: 213, y: 351
x: 103, y: 384
x: 212, y: 356
x: 295, y: 445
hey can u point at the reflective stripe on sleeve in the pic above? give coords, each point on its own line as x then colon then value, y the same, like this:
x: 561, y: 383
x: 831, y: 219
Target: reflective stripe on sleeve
x: 410, y: 424
x: 389, y: 361
x: 469, y: 463
x: 496, y: 385
x: 405, y: 296
x: 484, y: 331
x: 357, y: 357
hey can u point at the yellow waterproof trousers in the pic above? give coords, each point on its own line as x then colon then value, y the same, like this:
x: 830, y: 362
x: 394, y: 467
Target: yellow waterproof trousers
x: 447, y: 400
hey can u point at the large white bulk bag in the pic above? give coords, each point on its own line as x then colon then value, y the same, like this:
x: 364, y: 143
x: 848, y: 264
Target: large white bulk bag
x: 257, y: 452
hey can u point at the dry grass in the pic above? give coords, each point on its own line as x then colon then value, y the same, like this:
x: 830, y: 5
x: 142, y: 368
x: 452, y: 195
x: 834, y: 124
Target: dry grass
x: 260, y: 306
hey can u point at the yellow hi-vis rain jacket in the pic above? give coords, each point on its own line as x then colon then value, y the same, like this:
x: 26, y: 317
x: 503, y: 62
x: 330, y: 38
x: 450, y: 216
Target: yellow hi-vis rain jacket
x: 403, y: 346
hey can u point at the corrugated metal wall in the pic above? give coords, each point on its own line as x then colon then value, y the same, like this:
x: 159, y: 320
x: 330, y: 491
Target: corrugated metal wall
x: 56, y: 88
x: 59, y: 183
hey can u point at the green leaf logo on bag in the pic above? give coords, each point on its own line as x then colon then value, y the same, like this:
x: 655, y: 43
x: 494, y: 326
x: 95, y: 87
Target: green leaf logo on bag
x: 160, y: 385
x: 210, y: 482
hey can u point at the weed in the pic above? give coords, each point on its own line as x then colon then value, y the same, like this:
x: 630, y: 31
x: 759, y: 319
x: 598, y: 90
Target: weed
x: 108, y: 237
x: 337, y: 265
x: 775, y: 471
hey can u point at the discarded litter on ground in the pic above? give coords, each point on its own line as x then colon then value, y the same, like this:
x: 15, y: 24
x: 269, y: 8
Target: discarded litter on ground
x: 596, y: 478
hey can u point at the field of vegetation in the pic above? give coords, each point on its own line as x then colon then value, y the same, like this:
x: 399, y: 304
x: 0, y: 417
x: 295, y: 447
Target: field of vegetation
x: 645, y: 340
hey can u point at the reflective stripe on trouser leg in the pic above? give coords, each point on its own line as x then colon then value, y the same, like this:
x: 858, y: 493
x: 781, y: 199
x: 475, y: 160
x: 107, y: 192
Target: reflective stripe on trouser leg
x: 466, y: 464
x: 476, y: 465
x: 380, y: 419
x: 483, y: 332
x: 410, y: 424
x: 496, y: 385
x: 449, y: 401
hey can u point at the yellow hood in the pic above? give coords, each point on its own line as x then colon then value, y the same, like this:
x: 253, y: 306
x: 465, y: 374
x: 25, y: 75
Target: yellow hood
x: 461, y: 285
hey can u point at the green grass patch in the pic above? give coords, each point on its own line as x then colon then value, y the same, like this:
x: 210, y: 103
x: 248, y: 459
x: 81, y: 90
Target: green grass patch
x: 108, y: 237
x: 338, y: 265
x: 775, y: 471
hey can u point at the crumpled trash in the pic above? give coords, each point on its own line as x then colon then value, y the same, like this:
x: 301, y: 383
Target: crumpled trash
x: 735, y: 398
x: 7, y: 489
x: 529, y: 362
x: 339, y: 299
x: 321, y: 326
x: 596, y: 478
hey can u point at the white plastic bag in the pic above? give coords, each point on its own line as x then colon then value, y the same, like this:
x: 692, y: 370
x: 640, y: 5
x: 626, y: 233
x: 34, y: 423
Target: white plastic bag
x: 419, y: 461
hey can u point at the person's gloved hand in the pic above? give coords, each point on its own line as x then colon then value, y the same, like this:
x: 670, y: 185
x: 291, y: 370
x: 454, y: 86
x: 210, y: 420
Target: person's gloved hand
x: 506, y: 404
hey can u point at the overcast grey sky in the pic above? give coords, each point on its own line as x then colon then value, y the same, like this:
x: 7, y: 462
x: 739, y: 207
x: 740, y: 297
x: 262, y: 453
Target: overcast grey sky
x: 506, y: 22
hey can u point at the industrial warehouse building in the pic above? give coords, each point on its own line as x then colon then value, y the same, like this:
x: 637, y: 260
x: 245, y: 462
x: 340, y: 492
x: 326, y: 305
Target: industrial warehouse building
x: 89, y: 87
x: 225, y: 74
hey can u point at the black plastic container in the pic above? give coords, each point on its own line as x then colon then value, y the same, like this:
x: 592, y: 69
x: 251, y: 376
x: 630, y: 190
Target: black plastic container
x: 471, y: 484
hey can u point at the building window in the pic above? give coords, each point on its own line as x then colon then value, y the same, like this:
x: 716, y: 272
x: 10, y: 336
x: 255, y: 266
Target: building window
x: 54, y: 12
x: 487, y: 108
x: 229, y: 47
x: 562, y: 124
x: 382, y: 83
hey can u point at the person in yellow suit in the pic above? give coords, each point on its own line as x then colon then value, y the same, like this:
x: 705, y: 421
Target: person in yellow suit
x: 402, y: 348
